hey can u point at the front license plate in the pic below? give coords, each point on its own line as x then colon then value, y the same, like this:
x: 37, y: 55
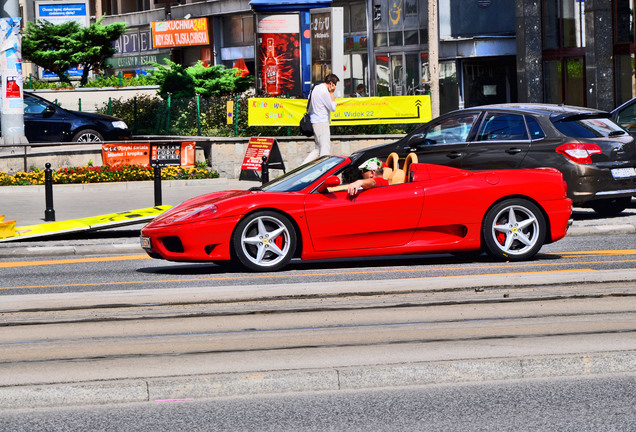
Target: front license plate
x: 623, y: 172
x: 145, y: 242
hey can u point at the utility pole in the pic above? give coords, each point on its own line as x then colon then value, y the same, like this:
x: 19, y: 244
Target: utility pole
x: 12, y: 112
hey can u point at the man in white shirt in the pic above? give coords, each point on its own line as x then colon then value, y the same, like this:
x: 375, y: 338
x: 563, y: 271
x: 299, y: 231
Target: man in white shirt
x: 323, y: 103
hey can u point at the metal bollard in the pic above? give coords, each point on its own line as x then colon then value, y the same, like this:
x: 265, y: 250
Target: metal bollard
x: 157, y: 185
x: 264, y: 171
x: 49, y: 213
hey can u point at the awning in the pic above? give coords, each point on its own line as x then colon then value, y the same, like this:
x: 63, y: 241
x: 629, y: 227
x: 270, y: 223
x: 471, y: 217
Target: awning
x: 288, y: 5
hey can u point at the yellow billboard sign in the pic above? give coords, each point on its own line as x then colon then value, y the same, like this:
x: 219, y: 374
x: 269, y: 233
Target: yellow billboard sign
x: 350, y: 111
x: 92, y: 223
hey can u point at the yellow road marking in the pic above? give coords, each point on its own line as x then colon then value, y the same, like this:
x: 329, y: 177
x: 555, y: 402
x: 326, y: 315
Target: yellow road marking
x: 72, y: 261
x: 596, y: 253
x: 284, y: 276
x: 144, y: 256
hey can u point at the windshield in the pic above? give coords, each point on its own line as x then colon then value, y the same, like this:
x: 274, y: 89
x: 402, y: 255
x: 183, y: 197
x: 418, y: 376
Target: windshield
x: 303, y: 176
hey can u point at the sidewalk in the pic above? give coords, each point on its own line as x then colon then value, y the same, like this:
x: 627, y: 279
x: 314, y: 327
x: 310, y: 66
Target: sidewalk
x: 26, y: 205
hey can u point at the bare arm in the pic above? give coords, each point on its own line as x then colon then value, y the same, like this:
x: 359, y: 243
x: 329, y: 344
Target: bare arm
x: 363, y: 183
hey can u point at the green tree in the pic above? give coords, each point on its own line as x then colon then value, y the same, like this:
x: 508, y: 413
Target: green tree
x: 51, y: 46
x: 59, y: 47
x: 199, y: 79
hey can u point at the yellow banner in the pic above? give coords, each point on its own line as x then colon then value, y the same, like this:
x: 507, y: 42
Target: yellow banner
x: 112, y: 220
x: 350, y: 111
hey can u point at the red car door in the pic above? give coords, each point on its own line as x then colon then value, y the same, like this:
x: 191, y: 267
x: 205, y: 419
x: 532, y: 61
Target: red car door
x: 380, y: 217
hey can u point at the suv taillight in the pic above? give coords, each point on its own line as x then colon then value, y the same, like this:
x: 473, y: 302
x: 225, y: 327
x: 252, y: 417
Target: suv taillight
x: 579, y: 152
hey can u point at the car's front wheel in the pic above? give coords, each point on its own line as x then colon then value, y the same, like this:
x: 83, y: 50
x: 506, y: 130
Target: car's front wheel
x: 264, y: 241
x: 88, y: 135
x: 514, y: 230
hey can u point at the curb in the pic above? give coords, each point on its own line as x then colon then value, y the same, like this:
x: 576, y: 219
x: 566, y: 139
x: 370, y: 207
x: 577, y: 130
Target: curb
x: 298, y: 381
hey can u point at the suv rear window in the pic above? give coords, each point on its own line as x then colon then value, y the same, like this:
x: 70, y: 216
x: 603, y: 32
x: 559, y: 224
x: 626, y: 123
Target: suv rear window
x: 588, y: 127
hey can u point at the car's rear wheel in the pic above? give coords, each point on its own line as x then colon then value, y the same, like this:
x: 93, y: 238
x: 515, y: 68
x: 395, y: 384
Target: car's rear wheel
x: 88, y: 135
x: 514, y: 230
x: 264, y: 241
x: 612, y: 206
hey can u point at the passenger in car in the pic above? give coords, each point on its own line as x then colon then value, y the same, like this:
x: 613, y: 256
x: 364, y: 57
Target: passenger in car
x: 372, y: 171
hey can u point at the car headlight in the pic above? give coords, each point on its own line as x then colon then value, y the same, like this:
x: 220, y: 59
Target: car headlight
x: 120, y: 124
x: 189, y: 214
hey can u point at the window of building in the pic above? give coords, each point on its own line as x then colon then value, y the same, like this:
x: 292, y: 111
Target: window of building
x: 624, y: 50
x: 564, y: 51
x: 356, y: 69
x: 448, y: 87
x: 238, y: 30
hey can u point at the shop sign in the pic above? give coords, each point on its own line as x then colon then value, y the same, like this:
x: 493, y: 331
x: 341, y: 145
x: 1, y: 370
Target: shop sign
x: 136, y: 61
x: 176, y: 33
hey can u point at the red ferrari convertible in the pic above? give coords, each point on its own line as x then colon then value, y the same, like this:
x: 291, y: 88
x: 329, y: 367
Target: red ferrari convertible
x: 508, y: 213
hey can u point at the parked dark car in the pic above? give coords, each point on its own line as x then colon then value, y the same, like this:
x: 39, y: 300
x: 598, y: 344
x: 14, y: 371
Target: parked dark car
x: 625, y: 115
x: 46, y: 122
x: 596, y: 156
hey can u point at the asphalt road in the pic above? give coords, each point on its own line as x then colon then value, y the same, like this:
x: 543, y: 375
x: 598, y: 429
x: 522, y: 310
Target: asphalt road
x: 557, y: 404
x: 94, y: 329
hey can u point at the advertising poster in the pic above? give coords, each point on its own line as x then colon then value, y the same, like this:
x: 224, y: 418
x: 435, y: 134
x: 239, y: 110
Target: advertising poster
x: 11, y: 66
x: 321, y: 61
x: 179, y: 33
x: 278, y: 51
x: 125, y: 154
x: 116, y: 154
x: 349, y: 112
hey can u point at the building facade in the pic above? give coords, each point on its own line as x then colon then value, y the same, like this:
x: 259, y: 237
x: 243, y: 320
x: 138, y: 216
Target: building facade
x: 463, y: 52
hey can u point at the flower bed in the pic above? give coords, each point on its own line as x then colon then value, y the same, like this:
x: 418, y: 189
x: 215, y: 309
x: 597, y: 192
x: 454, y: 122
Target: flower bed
x: 101, y: 174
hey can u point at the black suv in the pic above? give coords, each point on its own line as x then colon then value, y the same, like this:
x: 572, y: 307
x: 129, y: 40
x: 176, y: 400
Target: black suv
x: 596, y: 156
x: 47, y: 122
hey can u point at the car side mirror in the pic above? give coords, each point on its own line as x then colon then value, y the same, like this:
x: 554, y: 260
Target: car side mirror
x: 416, y: 140
x: 48, y: 111
x: 332, y: 181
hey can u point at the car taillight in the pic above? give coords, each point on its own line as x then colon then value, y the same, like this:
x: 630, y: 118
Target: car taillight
x: 579, y: 152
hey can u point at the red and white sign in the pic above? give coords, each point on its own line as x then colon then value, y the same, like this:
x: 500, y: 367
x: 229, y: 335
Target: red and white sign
x: 256, y: 149
x: 116, y: 154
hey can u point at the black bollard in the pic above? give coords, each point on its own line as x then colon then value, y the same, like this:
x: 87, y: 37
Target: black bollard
x: 157, y: 185
x: 49, y: 213
x: 264, y: 171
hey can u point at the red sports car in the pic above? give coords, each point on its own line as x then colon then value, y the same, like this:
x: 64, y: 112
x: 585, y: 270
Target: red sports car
x: 508, y: 213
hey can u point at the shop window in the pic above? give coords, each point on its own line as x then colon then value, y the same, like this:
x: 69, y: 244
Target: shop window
x: 624, y: 21
x: 396, y: 39
x: 380, y: 39
x: 448, y: 87
x: 624, y: 74
x: 397, y: 75
x: 358, y: 18
x: 574, y: 82
x: 238, y: 30
x: 563, y: 24
x: 411, y: 37
x: 382, y: 75
x: 624, y: 50
x: 412, y: 74
x: 563, y: 53
x: 552, y: 77
x: 564, y: 81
